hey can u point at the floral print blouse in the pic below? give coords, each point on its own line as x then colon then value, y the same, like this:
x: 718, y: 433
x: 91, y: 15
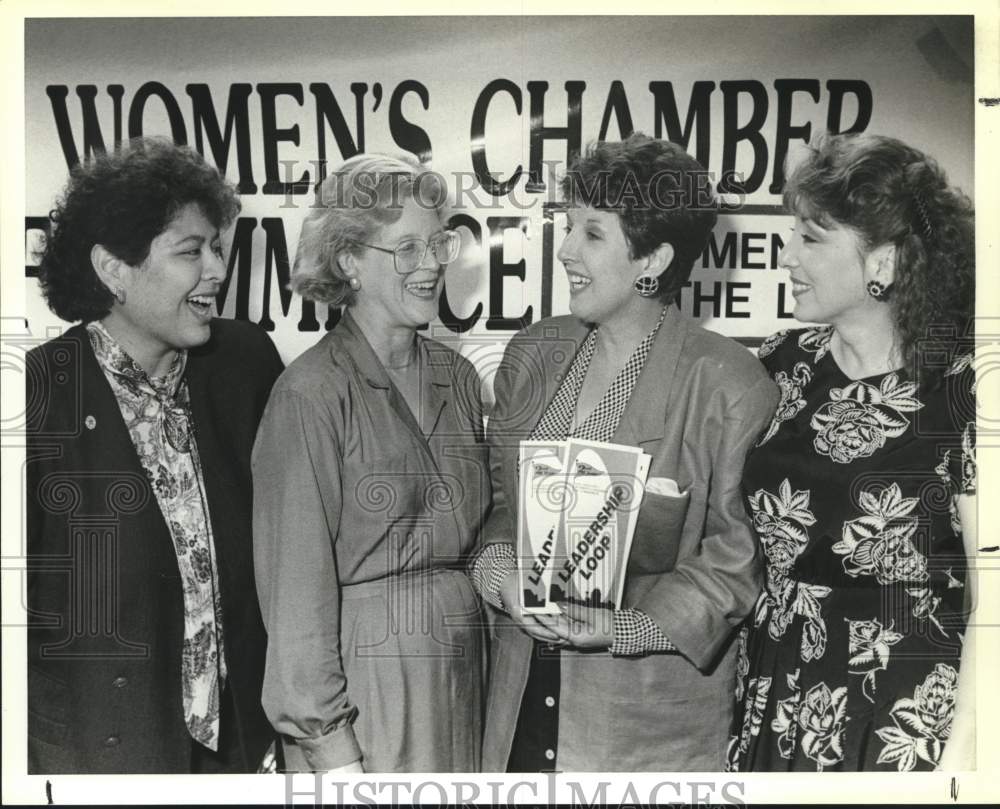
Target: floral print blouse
x: 850, y: 660
x: 156, y: 413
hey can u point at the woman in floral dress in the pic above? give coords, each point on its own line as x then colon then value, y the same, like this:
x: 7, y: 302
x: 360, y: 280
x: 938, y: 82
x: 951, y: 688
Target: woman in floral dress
x: 862, y: 489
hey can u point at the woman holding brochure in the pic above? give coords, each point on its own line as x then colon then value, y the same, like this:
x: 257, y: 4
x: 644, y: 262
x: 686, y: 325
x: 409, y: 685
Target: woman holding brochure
x: 370, y: 487
x: 645, y: 687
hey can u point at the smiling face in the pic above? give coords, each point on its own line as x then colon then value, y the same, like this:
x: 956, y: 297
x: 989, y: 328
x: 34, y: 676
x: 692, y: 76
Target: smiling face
x: 829, y: 269
x: 170, y: 297
x: 600, y: 270
x: 386, y: 298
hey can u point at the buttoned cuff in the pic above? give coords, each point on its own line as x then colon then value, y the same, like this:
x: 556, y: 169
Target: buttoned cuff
x: 635, y: 633
x: 335, y: 749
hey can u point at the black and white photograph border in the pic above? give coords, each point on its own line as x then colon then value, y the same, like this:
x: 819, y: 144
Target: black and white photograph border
x: 35, y: 169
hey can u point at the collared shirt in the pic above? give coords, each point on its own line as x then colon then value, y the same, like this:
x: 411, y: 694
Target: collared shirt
x: 157, y: 415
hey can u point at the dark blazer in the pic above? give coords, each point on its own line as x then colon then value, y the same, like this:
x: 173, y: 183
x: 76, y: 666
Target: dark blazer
x: 698, y: 406
x: 105, y: 626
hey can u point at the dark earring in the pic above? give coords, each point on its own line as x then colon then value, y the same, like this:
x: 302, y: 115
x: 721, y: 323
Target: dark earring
x: 647, y: 285
x: 876, y: 289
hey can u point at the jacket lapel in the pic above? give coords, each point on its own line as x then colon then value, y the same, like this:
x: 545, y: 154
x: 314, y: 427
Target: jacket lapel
x: 558, y: 352
x: 203, y: 424
x: 106, y: 441
x: 643, y: 419
x: 436, y: 397
x: 549, y: 355
x: 105, y: 447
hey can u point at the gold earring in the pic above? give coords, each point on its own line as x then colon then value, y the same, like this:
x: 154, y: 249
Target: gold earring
x: 119, y: 294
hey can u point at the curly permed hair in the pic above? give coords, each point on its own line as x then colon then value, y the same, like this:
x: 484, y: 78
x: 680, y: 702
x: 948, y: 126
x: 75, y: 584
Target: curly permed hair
x: 891, y: 193
x: 660, y: 193
x: 353, y: 204
x: 123, y: 200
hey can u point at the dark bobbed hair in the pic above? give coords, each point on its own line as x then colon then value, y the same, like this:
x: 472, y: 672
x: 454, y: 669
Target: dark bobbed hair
x: 123, y: 200
x: 891, y: 193
x: 660, y: 193
x: 352, y: 205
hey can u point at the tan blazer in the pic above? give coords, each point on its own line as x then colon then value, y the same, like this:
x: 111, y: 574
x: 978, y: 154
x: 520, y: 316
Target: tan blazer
x: 698, y: 406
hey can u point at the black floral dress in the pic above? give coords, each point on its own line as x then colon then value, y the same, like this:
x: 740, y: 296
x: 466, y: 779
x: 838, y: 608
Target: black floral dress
x: 850, y: 660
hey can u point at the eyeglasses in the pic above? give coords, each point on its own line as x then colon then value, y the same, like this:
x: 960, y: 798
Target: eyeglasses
x: 408, y: 255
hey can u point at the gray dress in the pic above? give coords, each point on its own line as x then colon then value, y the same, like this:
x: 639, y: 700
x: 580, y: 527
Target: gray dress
x: 364, y: 516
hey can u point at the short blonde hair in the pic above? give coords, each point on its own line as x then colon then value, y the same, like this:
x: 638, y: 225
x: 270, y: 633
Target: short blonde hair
x: 352, y: 205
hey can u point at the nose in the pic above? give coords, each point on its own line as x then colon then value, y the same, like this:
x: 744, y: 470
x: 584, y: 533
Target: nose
x: 567, y: 250
x: 429, y: 261
x: 788, y: 255
x: 214, y: 267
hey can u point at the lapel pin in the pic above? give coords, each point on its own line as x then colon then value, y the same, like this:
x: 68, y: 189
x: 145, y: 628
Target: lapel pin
x: 90, y: 422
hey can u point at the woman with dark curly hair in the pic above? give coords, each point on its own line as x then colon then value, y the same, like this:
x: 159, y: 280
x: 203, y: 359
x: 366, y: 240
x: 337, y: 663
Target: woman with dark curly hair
x: 646, y: 687
x: 146, y: 646
x: 863, y: 488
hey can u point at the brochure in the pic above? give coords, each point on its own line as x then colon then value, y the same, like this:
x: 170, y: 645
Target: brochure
x: 579, y: 504
x: 542, y: 481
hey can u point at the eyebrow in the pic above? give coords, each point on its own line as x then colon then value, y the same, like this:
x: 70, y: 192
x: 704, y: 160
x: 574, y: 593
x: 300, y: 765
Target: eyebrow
x: 195, y: 238
x: 590, y: 220
x: 420, y: 235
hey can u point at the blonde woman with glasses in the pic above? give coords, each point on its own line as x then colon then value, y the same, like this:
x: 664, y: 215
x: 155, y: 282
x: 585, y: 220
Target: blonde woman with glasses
x: 370, y: 486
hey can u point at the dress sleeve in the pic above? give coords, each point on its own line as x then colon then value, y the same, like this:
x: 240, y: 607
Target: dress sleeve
x: 699, y: 603
x: 297, y: 507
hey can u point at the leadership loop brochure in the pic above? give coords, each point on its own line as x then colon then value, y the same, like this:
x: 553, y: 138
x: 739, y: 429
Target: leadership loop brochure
x: 579, y: 501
